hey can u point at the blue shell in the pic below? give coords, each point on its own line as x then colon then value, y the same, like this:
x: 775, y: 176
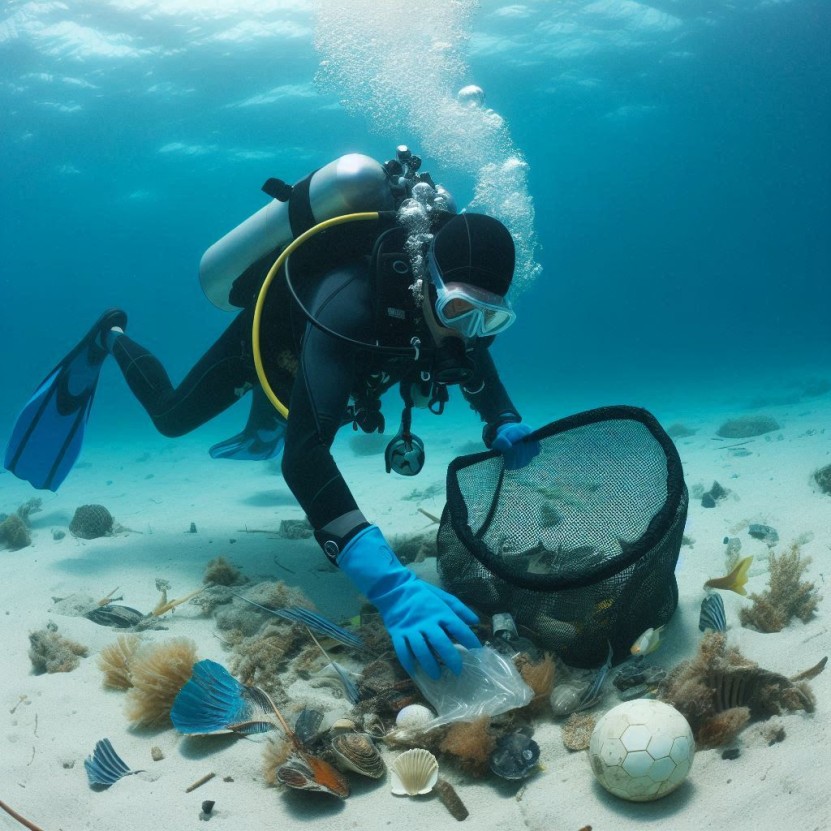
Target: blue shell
x: 515, y: 756
x: 104, y: 766
x: 712, y: 614
x: 213, y: 701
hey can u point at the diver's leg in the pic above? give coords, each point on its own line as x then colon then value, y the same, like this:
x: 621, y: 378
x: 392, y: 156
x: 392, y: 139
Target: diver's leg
x: 223, y: 375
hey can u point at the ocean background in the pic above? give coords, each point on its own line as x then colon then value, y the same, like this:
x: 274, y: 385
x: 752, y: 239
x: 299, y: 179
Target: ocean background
x: 678, y: 160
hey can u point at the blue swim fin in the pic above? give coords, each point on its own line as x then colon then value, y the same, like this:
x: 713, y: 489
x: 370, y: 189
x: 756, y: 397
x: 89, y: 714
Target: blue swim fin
x: 262, y: 438
x: 47, y: 436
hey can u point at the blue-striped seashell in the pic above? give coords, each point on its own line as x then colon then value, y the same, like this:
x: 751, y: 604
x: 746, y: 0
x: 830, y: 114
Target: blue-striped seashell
x: 104, y: 766
x: 712, y: 614
x: 213, y: 701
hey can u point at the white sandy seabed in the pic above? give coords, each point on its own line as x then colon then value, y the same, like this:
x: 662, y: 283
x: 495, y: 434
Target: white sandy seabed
x: 49, y: 723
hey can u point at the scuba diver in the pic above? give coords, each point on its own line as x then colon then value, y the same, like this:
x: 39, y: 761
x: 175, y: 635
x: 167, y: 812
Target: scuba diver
x: 379, y: 282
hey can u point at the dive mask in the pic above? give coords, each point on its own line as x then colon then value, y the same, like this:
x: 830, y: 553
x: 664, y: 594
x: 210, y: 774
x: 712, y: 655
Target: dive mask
x: 469, y: 310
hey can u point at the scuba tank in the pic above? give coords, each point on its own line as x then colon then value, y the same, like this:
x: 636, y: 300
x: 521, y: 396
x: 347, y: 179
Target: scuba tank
x: 350, y: 184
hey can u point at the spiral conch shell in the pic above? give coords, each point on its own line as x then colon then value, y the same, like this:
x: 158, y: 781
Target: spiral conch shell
x: 414, y: 772
x: 356, y: 751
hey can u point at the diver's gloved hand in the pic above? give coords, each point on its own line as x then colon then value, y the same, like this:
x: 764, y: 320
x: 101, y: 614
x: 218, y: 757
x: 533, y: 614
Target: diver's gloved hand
x: 422, y: 620
x: 510, y: 441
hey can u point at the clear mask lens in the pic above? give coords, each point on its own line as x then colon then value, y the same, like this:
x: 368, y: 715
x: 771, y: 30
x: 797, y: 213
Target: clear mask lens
x: 471, y: 311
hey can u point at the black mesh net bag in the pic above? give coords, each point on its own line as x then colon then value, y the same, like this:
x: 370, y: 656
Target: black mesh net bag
x: 580, y: 545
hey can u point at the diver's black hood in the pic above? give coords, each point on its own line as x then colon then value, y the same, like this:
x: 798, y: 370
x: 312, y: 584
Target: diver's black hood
x: 476, y: 249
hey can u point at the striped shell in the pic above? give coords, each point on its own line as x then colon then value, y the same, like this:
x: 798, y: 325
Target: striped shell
x: 414, y: 772
x: 355, y: 751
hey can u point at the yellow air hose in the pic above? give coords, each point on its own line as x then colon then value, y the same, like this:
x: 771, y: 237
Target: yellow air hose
x: 272, y: 273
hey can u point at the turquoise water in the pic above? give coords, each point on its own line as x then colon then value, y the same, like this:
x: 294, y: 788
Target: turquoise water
x: 677, y: 159
x: 666, y: 169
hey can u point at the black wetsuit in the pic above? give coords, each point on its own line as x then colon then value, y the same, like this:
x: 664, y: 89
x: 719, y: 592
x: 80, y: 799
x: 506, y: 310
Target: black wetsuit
x: 314, y: 374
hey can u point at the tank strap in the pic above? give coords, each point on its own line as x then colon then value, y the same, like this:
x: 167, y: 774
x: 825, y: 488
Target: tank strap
x: 301, y: 217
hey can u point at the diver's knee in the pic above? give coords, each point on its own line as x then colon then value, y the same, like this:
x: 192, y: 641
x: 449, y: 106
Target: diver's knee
x: 171, y: 430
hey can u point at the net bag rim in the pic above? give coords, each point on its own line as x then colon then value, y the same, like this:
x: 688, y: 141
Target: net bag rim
x: 630, y: 554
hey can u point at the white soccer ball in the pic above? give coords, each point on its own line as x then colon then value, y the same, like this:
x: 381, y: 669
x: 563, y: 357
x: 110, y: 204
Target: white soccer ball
x: 641, y: 750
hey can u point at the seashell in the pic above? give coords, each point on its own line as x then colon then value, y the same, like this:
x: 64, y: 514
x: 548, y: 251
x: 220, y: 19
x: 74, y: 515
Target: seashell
x: 355, y: 751
x: 104, y: 766
x: 305, y: 772
x: 414, y: 772
x: 516, y: 755
x: 120, y: 617
x: 413, y: 717
x: 567, y: 698
x: 343, y: 725
x: 307, y: 725
x: 712, y: 615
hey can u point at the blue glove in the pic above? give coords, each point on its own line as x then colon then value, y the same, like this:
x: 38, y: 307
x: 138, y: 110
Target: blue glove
x: 422, y: 620
x: 510, y: 439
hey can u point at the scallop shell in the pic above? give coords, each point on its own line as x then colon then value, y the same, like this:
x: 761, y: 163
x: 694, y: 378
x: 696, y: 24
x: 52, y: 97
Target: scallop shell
x: 355, y: 751
x: 413, y: 717
x: 414, y: 772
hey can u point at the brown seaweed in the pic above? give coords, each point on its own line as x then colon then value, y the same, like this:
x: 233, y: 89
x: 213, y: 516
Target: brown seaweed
x: 470, y: 744
x: 115, y: 659
x: 718, y: 680
x: 51, y: 652
x: 158, y: 673
x: 787, y: 595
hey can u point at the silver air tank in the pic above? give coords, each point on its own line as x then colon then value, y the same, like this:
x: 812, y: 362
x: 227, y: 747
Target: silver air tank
x: 350, y: 184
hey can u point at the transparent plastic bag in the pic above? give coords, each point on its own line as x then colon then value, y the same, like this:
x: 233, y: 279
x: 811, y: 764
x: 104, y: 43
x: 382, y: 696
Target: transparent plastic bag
x: 489, y: 684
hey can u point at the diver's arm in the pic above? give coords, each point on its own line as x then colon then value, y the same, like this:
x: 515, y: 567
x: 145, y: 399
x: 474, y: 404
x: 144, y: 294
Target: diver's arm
x: 319, y: 399
x: 487, y: 395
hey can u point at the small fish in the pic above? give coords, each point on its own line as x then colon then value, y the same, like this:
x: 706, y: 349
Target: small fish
x: 712, y: 614
x: 735, y: 581
x: 314, y: 620
x: 648, y: 642
x: 349, y: 686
